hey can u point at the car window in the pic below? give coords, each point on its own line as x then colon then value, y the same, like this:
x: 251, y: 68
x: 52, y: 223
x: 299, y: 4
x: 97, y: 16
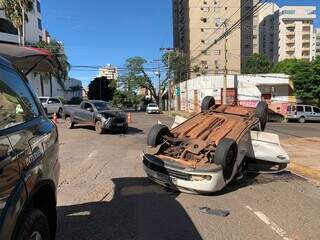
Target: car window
x: 43, y: 100
x: 16, y: 102
x: 316, y: 110
x: 54, y: 101
x: 299, y: 108
x: 87, y: 105
x: 308, y: 108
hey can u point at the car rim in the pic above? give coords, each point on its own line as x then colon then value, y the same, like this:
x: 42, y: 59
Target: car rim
x: 68, y: 122
x: 98, y: 127
x: 36, y: 236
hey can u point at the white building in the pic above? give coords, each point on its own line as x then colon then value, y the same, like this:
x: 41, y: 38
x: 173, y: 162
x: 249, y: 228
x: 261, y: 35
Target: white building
x: 296, y: 32
x: 110, y: 72
x: 246, y: 90
x: 287, y: 32
x: 317, y: 32
x: 34, y: 31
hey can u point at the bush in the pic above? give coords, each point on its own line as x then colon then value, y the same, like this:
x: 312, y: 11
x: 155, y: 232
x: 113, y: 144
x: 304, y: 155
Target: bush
x: 75, y: 101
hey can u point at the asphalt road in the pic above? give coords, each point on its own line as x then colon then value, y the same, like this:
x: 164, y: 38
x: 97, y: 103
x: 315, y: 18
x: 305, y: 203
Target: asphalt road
x: 294, y: 129
x: 104, y: 194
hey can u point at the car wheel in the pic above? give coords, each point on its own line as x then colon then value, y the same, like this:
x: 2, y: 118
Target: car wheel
x: 69, y: 123
x: 207, y: 103
x: 156, y: 134
x: 34, y: 226
x: 302, y: 120
x: 226, y: 156
x: 98, y: 127
x: 60, y: 112
x: 262, y: 114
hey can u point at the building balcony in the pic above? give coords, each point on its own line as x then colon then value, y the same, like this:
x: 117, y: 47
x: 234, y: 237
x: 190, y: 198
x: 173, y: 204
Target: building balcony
x: 288, y: 33
x: 290, y: 25
x: 290, y: 41
x: 290, y: 57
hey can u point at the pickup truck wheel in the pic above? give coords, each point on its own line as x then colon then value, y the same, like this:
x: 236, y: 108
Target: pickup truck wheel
x: 262, y: 114
x: 98, y: 127
x: 155, y: 136
x: 226, y: 156
x: 69, y: 123
x: 207, y: 103
x: 34, y: 226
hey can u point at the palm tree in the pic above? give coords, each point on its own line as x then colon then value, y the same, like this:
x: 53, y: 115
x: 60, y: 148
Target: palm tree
x: 16, y: 11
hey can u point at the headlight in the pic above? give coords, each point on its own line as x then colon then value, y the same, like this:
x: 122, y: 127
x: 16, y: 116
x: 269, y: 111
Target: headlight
x: 200, y: 177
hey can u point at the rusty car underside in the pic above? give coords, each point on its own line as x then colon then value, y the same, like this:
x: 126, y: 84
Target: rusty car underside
x: 193, y: 143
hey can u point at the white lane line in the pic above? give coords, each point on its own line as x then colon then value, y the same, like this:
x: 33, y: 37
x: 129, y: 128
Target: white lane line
x: 277, y: 229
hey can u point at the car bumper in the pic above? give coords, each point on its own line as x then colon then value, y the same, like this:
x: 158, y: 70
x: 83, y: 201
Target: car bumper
x: 184, y: 180
x: 113, y: 124
x: 153, y: 111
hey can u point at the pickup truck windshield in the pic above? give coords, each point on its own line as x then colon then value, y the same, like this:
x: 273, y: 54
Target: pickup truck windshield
x: 101, y: 106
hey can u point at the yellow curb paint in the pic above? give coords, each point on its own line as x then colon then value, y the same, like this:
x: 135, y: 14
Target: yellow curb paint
x: 305, y: 171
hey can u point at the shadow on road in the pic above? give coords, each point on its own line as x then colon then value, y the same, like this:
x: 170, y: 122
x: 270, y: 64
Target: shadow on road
x: 139, y: 210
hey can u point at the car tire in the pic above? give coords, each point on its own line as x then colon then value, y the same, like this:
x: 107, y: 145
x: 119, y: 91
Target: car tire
x: 226, y: 156
x: 46, y: 111
x: 33, y: 225
x: 262, y: 114
x: 302, y: 120
x: 69, y: 123
x: 207, y: 103
x: 98, y: 127
x: 60, y: 113
x: 156, y: 134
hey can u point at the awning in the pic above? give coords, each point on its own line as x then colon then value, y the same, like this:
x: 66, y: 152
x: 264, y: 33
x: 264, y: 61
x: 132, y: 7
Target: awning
x: 29, y: 59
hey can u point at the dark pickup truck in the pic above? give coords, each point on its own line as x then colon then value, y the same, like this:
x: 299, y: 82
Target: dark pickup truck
x: 96, y: 113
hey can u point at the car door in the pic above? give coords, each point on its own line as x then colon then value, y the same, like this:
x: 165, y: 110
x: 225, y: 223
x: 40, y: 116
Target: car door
x: 308, y: 113
x: 316, y: 113
x: 87, y: 113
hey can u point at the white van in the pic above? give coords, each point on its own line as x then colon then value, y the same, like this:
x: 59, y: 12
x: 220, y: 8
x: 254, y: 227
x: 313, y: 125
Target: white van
x: 303, y: 113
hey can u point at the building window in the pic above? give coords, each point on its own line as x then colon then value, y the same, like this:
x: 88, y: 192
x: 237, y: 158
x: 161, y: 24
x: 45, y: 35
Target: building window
x: 38, y: 6
x: 7, y: 27
x: 40, y: 38
x: 39, y: 24
x: 290, y: 12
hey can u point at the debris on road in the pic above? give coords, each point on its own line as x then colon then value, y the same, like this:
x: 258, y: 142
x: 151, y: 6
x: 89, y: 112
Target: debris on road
x: 216, y: 212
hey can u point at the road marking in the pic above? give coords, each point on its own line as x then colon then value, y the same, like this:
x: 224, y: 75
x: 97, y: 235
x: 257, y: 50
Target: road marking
x: 277, y: 229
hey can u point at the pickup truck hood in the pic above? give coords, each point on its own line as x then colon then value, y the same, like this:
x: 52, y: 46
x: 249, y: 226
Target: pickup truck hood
x: 113, y: 113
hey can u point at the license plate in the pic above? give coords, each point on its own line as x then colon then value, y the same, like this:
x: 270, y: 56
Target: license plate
x: 166, y: 179
x: 119, y: 124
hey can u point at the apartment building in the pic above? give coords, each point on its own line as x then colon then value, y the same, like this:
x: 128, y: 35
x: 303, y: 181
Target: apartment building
x: 317, y: 36
x: 196, y: 26
x: 268, y: 28
x: 109, y: 71
x: 296, y: 32
x: 34, y: 31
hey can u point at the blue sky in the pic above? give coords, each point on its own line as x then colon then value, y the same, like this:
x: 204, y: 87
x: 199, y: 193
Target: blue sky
x: 100, y: 32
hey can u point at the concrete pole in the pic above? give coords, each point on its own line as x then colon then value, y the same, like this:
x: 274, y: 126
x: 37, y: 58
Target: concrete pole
x: 225, y: 73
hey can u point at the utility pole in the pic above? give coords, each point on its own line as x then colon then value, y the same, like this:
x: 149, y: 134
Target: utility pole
x: 158, y: 74
x: 169, y: 50
x: 225, y: 73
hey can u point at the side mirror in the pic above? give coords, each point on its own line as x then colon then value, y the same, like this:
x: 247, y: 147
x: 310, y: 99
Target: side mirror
x: 90, y: 109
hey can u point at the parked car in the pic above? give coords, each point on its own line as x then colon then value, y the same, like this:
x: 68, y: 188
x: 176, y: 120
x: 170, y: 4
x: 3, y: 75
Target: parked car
x: 153, y: 108
x: 52, y: 105
x: 303, y: 113
x: 204, y: 153
x: 96, y: 113
x: 29, y: 166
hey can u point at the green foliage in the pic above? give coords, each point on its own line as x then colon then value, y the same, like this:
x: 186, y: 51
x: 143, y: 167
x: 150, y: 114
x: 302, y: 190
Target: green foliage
x: 257, y: 64
x: 305, y: 76
x: 75, y: 101
x: 101, y: 88
x: 56, y: 48
x: 13, y: 11
x: 126, y: 99
x: 137, y: 77
x: 177, y: 65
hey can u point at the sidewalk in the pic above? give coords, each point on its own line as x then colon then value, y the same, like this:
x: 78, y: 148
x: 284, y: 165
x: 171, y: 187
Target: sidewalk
x: 304, y: 153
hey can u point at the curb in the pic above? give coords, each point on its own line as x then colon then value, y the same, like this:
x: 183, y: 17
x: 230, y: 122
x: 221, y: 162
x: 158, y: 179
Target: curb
x: 305, y: 171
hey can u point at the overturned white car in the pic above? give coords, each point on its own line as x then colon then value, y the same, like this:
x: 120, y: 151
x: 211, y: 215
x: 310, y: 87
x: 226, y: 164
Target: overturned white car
x: 204, y: 153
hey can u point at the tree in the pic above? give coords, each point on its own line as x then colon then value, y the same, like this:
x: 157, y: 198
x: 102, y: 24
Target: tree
x: 177, y: 65
x: 256, y: 64
x: 101, y: 88
x: 17, y: 13
x: 305, y: 76
x: 137, y: 77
